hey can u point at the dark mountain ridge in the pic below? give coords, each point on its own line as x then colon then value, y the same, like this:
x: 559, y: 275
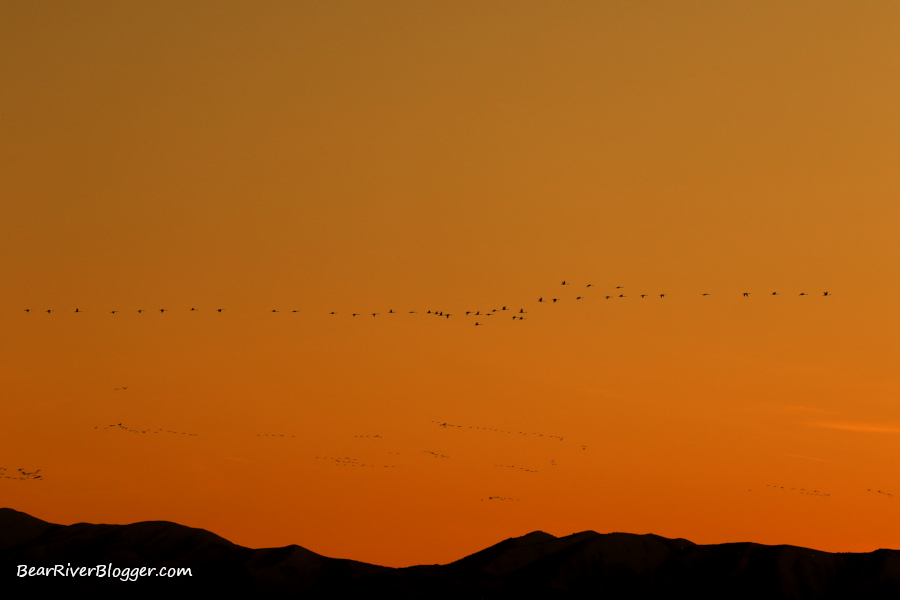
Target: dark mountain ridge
x: 536, y: 565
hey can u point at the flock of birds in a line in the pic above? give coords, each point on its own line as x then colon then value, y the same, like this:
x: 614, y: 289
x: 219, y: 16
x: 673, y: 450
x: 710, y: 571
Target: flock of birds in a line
x: 21, y: 475
x: 445, y: 425
x: 160, y: 430
x: 515, y: 315
x: 804, y: 491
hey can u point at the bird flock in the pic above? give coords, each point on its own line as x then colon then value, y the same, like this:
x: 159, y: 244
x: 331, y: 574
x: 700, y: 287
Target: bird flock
x: 131, y: 430
x: 21, y: 475
x: 446, y: 425
x: 803, y: 491
x: 480, y: 317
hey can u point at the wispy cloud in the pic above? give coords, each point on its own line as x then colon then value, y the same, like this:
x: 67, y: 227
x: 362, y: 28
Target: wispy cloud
x: 787, y: 408
x: 813, y: 458
x: 860, y: 427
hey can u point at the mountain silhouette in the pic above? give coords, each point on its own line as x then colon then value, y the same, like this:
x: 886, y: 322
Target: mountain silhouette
x: 536, y: 565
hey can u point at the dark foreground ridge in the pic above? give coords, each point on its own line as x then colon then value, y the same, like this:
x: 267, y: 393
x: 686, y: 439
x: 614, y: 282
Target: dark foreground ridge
x: 537, y: 565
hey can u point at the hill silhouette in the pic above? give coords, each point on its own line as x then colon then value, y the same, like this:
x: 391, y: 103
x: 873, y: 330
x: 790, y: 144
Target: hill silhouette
x: 536, y: 565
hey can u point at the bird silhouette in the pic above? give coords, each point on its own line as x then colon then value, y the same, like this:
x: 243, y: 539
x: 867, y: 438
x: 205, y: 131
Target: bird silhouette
x: 825, y: 294
x: 746, y: 294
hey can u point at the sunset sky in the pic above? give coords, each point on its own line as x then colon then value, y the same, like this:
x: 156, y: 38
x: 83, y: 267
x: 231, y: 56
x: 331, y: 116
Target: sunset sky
x: 453, y: 156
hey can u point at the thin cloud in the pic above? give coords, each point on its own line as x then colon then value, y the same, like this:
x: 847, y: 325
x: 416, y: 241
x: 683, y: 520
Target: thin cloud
x: 813, y: 458
x: 860, y: 427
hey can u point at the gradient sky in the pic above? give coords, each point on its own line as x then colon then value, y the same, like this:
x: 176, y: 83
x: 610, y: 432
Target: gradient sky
x: 452, y: 156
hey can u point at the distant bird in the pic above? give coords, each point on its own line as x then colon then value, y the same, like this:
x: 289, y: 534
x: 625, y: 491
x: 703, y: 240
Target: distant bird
x: 162, y: 310
x: 774, y: 293
x: 27, y: 310
x: 504, y: 308
x: 541, y: 299
x: 521, y: 311
x: 141, y: 310
x: 590, y: 285
x: 555, y: 299
x: 76, y: 310
x: 193, y: 309
x: 412, y: 312
x: 608, y: 297
x: 704, y: 294
x: 477, y: 324
x: 622, y: 296
x: 354, y: 314
x: 619, y: 287
x: 331, y: 313
x: 112, y: 312
x: 825, y: 294
x: 746, y: 294
x: 219, y: 310
x: 564, y: 283
x: 373, y: 314
x: 391, y: 311
x: 662, y: 295
x: 802, y: 293
x: 468, y: 312
x: 643, y: 295
x: 49, y: 310
x: 578, y: 298
x: 273, y: 310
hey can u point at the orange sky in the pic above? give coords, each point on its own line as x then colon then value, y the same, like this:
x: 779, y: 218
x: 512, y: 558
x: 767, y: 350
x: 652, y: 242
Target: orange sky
x: 453, y: 156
